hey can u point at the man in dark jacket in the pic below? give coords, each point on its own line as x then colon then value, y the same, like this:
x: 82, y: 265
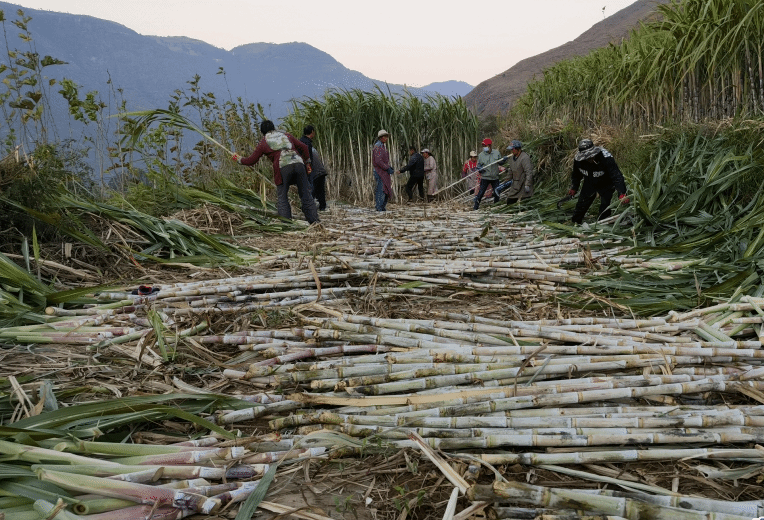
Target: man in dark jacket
x: 319, y: 179
x: 415, y: 167
x: 601, y: 175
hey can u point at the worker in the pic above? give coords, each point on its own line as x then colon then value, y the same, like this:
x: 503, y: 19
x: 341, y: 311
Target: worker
x: 318, y: 176
x: 415, y: 167
x: 288, y: 156
x: 430, y: 172
x: 520, y: 171
x: 380, y: 160
x: 601, y: 175
x: 469, y: 170
x: 488, y: 166
x: 308, y: 134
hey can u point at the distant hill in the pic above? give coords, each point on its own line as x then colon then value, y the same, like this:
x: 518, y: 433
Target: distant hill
x: 496, y: 95
x: 106, y: 56
x: 449, y: 88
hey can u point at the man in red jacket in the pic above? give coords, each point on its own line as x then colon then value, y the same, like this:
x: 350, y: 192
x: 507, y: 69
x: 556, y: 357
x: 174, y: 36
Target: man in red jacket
x: 289, y: 157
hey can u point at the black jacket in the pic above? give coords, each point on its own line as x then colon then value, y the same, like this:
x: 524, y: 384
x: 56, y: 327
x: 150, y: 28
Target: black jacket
x: 307, y: 141
x: 602, y: 171
x: 415, y: 166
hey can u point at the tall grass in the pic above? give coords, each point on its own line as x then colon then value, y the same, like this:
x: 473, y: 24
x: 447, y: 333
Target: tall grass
x: 702, y: 60
x: 347, y: 122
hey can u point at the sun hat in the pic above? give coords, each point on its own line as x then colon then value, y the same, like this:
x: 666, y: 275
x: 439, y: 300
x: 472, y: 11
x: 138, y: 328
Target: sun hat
x: 473, y: 153
x: 426, y: 150
x: 487, y: 142
x: 515, y: 144
x: 586, y: 150
x: 382, y: 133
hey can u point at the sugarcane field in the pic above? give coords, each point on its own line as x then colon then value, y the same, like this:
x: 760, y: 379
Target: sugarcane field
x: 388, y: 306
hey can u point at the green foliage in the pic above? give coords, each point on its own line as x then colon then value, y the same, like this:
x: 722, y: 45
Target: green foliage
x: 696, y: 203
x: 158, y: 154
x: 36, y: 184
x: 347, y: 122
x: 403, y: 503
x: 84, y: 110
x: 25, y: 95
x: 39, y: 168
x: 701, y: 61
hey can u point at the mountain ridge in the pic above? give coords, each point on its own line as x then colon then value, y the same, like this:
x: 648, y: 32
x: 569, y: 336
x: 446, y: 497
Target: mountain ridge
x: 496, y: 95
x: 147, y: 70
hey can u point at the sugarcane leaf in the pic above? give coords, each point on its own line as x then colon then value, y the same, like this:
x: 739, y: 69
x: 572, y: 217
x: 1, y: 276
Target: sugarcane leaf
x: 35, y: 489
x: 76, y: 295
x: 247, y: 510
x: 15, y: 472
x: 132, y: 410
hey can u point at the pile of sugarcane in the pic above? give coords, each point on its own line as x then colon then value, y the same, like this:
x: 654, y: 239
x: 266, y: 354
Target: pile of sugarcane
x: 113, y: 481
x: 488, y: 389
x: 599, y: 392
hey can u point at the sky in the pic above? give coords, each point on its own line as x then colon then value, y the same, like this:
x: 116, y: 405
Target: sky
x: 412, y: 42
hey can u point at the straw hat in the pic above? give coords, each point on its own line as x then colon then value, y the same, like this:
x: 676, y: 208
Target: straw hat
x: 382, y: 133
x: 473, y: 153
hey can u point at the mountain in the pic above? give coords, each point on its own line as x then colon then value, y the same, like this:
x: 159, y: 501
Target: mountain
x: 496, y: 95
x: 146, y: 70
x: 449, y: 88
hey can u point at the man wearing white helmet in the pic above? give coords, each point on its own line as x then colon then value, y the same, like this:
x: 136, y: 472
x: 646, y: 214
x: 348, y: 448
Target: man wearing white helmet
x: 601, y: 175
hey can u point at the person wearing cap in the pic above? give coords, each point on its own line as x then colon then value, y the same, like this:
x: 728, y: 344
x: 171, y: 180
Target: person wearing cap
x: 488, y: 166
x: 430, y: 172
x: 289, y: 157
x: 520, y: 171
x: 380, y: 160
x: 415, y: 167
x: 601, y: 175
x: 470, y: 171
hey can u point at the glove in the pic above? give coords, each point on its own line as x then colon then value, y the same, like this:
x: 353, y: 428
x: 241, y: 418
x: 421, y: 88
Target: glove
x: 481, y: 170
x: 527, y: 189
x: 571, y: 192
x: 235, y: 157
x: 505, y: 158
x: 623, y: 198
x: 390, y: 171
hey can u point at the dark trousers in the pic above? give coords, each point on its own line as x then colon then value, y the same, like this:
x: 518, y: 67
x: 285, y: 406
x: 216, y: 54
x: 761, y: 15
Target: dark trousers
x: 415, y: 181
x: 319, y: 191
x: 295, y: 174
x: 588, y: 193
x: 484, y: 183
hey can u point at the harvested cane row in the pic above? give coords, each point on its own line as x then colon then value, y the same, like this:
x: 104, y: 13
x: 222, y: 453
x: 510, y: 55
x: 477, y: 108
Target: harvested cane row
x: 591, y: 399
